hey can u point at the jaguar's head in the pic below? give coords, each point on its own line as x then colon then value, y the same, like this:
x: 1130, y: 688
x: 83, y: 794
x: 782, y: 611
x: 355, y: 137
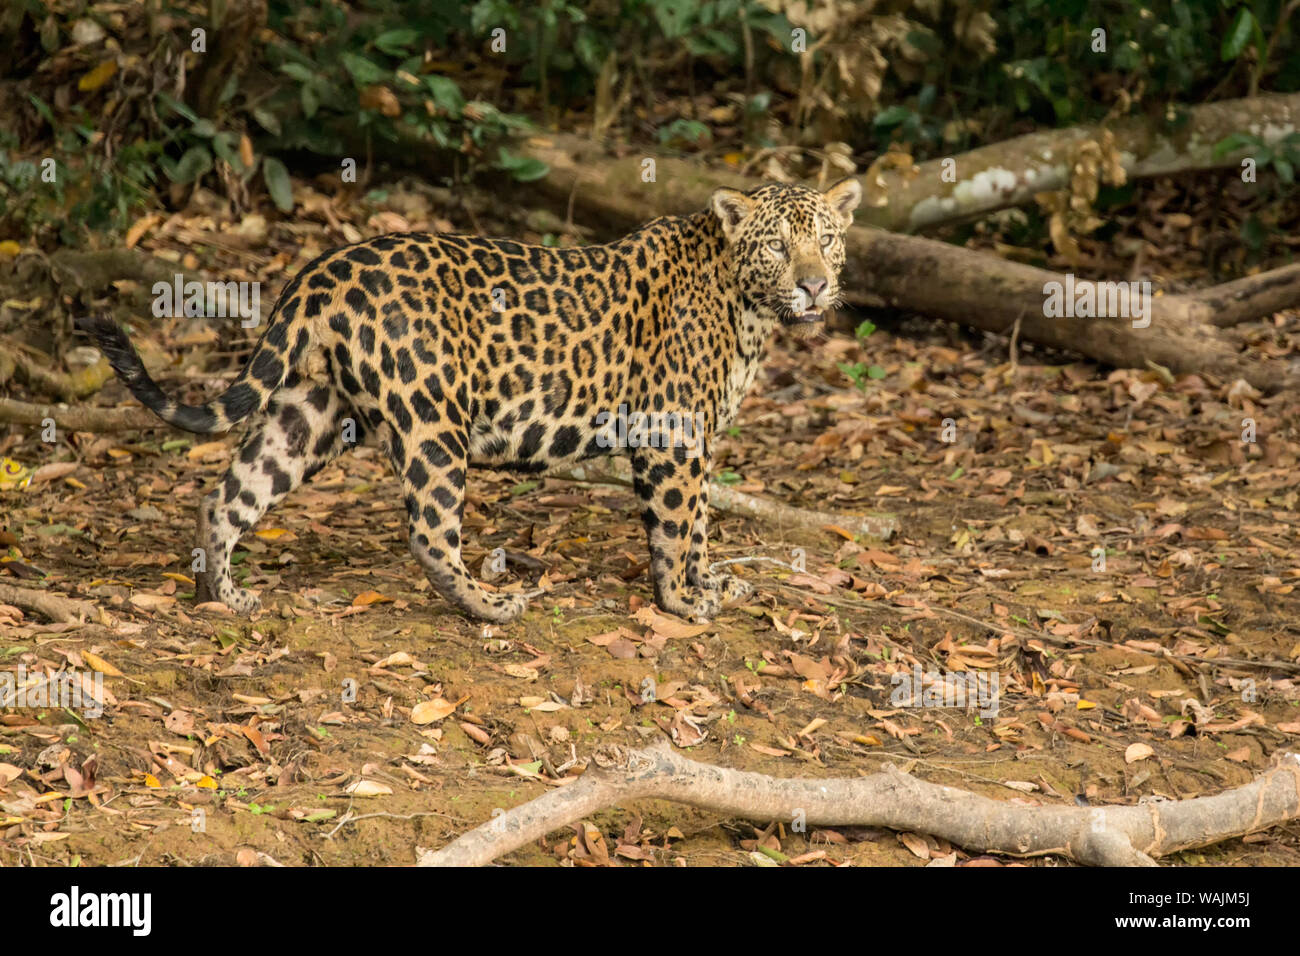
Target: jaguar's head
x: 787, y: 245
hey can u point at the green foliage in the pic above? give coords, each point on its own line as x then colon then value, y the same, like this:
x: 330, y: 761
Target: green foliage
x: 523, y: 168
x: 371, y: 66
x: 683, y: 131
x: 1244, y: 29
x: 1052, y: 67
x: 860, y: 373
x: 1283, y: 155
x: 330, y: 69
x: 329, y: 77
x: 87, y: 189
x: 561, y: 46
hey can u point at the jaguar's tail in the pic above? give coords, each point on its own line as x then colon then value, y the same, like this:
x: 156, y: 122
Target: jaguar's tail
x: 264, y: 373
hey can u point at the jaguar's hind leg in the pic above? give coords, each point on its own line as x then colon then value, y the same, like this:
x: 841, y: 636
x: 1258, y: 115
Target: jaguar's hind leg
x: 305, y: 426
x: 430, y: 462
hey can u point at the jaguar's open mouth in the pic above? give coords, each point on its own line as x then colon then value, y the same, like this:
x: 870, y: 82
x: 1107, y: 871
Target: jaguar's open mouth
x: 812, y: 315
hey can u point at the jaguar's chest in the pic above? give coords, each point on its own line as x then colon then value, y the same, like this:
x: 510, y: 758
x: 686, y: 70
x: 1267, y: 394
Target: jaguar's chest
x: 743, y: 368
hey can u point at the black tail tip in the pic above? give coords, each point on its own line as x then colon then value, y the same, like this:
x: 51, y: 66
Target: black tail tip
x: 97, y: 325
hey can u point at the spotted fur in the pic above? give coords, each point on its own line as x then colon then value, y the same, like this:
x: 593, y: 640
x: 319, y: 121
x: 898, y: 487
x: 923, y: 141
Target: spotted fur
x: 398, y: 334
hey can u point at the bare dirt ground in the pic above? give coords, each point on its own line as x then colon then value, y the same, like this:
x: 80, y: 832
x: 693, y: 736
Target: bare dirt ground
x: 1170, y: 669
x: 994, y: 572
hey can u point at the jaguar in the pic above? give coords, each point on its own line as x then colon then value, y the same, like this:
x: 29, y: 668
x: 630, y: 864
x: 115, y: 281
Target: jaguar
x: 452, y: 351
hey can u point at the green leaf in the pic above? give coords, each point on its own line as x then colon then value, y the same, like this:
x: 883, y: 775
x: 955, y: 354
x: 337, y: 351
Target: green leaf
x: 529, y: 170
x: 362, y: 70
x: 1238, y: 34
x: 226, y: 146
x: 854, y: 371
x: 190, y: 167
x: 176, y: 106
x: 690, y: 131
x: 267, y: 120
x: 1253, y: 233
x: 1233, y: 143
x: 588, y: 50
x: 865, y: 329
x: 674, y: 16
x: 230, y: 88
x: 445, y: 93
x: 42, y: 107
x: 310, y: 102
x: 299, y: 72
x: 523, y: 168
x: 876, y: 372
x: 891, y: 116
x: 277, y: 182
x: 395, y: 42
x: 1285, y: 171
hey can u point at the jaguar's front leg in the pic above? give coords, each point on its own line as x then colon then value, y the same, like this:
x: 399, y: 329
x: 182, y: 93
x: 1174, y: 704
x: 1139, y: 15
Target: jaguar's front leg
x: 670, y: 484
x: 728, y: 587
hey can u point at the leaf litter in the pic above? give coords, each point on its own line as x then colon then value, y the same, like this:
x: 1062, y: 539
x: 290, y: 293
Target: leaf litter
x: 1102, y: 541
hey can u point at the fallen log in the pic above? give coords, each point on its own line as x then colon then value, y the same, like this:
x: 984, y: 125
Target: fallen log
x: 1009, y: 173
x: 988, y: 293
x: 947, y: 281
x: 1244, y: 300
x: 83, y: 418
x: 1097, y: 836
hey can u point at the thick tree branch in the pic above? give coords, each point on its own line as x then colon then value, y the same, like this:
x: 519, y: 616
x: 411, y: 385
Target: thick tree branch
x: 1101, y: 836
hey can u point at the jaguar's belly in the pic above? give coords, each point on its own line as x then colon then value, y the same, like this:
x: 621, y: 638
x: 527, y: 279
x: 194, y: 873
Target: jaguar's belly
x: 515, y: 436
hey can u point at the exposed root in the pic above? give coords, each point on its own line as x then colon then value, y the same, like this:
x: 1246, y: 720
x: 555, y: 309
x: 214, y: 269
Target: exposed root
x: 54, y: 606
x: 1096, y: 836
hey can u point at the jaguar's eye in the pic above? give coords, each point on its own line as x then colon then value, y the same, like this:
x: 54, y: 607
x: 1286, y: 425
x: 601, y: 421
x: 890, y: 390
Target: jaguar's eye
x: 827, y: 240
x: 777, y: 246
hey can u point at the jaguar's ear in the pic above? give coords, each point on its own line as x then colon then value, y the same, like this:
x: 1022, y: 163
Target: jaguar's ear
x: 844, y: 197
x: 731, y: 206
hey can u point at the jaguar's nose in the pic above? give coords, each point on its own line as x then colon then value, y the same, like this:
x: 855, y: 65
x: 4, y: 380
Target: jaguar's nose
x: 813, y: 286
